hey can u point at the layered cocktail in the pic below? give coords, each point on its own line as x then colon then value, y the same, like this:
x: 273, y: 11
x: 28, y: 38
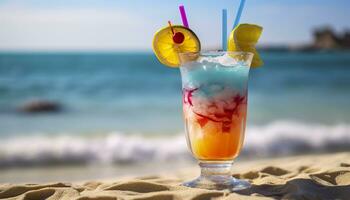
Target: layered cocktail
x: 215, y: 104
x: 214, y: 95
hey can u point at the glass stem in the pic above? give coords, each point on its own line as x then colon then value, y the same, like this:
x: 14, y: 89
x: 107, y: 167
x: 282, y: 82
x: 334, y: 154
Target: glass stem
x: 216, y: 172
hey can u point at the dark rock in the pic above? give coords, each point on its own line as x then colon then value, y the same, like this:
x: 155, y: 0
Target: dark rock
x: 40, y: 106
x: 325, y: 38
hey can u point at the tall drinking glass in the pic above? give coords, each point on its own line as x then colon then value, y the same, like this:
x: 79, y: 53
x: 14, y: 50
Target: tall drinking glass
x: 214, y: 89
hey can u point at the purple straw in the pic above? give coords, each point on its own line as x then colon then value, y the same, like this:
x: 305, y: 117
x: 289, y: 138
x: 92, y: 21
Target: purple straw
x: 183, y: 16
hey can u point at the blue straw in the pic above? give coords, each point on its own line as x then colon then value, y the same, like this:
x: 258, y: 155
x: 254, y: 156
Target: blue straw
x: 224, y: 29
x: 239, y: 13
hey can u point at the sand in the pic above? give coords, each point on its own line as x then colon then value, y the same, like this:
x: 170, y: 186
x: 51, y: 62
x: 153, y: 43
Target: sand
x: 324, y: 176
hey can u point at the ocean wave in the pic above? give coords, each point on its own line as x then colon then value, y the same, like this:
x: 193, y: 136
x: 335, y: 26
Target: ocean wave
x: 288, y: 137
x: 277, y: 138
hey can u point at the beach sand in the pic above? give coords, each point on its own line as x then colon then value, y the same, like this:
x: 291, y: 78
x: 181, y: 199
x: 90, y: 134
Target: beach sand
x: 324, y: 176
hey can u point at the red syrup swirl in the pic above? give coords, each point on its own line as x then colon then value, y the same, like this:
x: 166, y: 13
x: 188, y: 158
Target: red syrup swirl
x: 225, y: 118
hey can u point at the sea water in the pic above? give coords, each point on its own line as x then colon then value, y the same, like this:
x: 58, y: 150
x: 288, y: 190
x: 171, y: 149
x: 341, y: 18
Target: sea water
x: 116, y: 105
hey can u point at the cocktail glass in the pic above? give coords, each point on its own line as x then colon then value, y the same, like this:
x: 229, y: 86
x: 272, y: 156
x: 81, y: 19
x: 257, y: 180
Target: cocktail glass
x: 214, y: 86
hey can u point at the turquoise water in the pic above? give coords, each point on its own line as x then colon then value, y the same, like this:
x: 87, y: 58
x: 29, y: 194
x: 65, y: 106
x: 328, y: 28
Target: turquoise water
x: 123, y: 107
x: 133, y: 92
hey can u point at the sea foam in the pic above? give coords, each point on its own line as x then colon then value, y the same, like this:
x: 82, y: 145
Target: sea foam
x: 277, y: 138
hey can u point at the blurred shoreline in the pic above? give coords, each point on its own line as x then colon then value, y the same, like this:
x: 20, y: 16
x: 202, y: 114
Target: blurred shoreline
x: 281, y: 138
x: 97, y: 172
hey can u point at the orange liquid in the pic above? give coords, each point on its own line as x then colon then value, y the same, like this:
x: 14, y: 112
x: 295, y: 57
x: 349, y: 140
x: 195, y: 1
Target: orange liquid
x: 216, y: 138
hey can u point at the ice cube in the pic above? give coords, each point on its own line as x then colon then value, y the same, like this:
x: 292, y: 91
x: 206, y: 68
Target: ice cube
x: 226, y: 60
x: 214, y: 88
x: 206, y: 60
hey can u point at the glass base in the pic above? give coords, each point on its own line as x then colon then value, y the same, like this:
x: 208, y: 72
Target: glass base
x: 217, y: 176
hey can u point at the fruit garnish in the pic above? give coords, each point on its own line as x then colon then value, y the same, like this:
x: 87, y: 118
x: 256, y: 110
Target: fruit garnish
x: 244, y: 38
x: 178, y: 38
x: 169, y: 41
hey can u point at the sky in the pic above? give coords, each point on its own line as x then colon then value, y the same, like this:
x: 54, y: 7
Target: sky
x: 129, y: 25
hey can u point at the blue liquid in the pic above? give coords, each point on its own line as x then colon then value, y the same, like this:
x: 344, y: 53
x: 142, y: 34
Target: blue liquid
x: 213, y: 77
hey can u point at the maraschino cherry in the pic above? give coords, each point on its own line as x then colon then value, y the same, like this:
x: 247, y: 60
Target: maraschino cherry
x: 178, y: 37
